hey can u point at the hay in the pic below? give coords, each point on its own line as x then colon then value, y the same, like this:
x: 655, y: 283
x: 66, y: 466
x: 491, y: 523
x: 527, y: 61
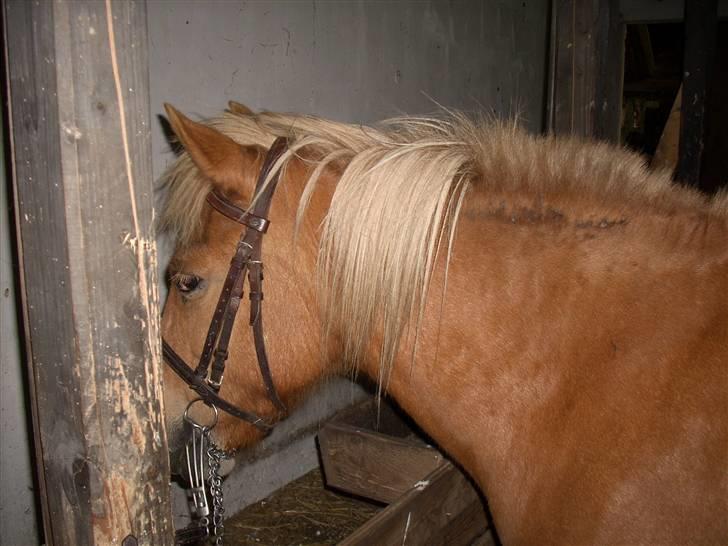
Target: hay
x: 302, y: 513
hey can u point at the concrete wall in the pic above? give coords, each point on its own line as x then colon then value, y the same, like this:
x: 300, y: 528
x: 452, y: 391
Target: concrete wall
x: 349, y: 60
x: 355, y: 61
x: 18, y: 518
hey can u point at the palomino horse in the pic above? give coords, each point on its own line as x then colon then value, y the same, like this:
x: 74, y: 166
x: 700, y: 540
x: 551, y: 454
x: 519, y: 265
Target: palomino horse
x: 554, y: 315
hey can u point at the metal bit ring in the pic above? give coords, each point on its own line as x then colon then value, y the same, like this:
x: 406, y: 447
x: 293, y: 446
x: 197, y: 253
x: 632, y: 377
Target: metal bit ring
x: 187, y: 417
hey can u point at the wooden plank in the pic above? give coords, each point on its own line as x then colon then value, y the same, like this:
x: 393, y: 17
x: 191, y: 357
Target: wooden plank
x: 28, y: 69
x: 667, y: 148
x: 377, y: 415
x: 610, y: 43
x: 701, y: 27
x: 78, y: 89
x: 561, y: 102
x: 372, y: 465
x: 445, y: 510
x: 585, y: 86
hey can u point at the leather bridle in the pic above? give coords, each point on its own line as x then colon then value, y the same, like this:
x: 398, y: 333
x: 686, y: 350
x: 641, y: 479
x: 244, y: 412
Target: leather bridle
x: 206, y: 381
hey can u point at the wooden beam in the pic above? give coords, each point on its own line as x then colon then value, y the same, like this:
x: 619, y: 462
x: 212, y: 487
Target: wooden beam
x: 80, y: 124
x: 667, y: 148
x: 373, y: 465
x: 444, y: 509
x: 701, y: 27
x: 586, y: 73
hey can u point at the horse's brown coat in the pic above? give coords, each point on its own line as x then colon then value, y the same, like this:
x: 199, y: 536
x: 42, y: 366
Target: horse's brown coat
x: 576, y: 364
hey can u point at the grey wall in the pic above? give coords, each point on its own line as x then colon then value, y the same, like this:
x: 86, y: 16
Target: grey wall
x: 347, y: 60
x: 353, y: 61
x: 356, y: 61
x: 17, y: 507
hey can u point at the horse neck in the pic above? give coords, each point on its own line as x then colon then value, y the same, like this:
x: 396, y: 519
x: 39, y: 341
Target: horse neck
x: 536, y: 314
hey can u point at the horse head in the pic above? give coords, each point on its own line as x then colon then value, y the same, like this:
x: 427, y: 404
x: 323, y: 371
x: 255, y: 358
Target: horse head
x: 214, y: 162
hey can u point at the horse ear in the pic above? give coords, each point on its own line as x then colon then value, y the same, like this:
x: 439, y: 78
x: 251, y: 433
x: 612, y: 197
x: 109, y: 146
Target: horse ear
x: 240, y: 109
x: 218, y: 157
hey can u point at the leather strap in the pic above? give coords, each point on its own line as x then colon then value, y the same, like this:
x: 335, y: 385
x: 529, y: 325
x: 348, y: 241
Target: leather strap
x: 200, y: 386
x: 224, y: 207
x: 252, y: 239
x: 236, y: 271
x: 255, y: 277
x: 247, y: 257
x: 193, y: 534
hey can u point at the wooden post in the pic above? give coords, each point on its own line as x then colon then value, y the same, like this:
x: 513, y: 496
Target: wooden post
x: 701, y: 27
x: 586, y: 73
x: 80, y: 124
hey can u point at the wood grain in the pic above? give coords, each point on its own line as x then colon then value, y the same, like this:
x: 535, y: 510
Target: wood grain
x: 432, y: 502
x: 701, y: 28
x: 667, y: 148
x: 447, y: 510
x: 83, y: 198
x: 372, y: 465
x: 586, y: 72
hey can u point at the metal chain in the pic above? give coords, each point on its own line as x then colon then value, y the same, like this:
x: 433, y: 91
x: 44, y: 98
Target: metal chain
x: 214, y: 482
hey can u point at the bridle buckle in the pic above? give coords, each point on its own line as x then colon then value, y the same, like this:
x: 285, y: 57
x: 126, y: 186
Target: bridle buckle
x: 215, y: 384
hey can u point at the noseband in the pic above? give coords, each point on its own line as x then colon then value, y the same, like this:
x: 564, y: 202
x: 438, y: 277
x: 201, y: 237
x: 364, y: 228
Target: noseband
x: 206, y: 381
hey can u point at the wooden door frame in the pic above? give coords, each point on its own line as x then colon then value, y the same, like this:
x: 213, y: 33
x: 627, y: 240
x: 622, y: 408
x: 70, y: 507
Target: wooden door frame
x: 586, y: 67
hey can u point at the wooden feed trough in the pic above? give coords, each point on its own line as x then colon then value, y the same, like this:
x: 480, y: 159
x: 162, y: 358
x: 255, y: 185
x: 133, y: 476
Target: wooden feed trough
x: 375, y: 454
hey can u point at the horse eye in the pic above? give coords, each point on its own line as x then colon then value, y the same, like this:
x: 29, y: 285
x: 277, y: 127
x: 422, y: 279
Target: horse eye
x: 187, y: 283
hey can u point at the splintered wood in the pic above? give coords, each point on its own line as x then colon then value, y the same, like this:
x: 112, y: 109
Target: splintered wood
x: 79, y: 109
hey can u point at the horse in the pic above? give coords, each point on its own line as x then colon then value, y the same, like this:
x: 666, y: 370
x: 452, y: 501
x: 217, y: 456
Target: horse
x: 548, y: 310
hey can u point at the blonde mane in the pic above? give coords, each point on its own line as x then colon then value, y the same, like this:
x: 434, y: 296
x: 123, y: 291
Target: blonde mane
x: 398, y: 197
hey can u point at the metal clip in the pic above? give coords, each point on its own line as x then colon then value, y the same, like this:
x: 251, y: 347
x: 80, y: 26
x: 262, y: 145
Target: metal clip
x: 196, y: 497
x: 195, y: 452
